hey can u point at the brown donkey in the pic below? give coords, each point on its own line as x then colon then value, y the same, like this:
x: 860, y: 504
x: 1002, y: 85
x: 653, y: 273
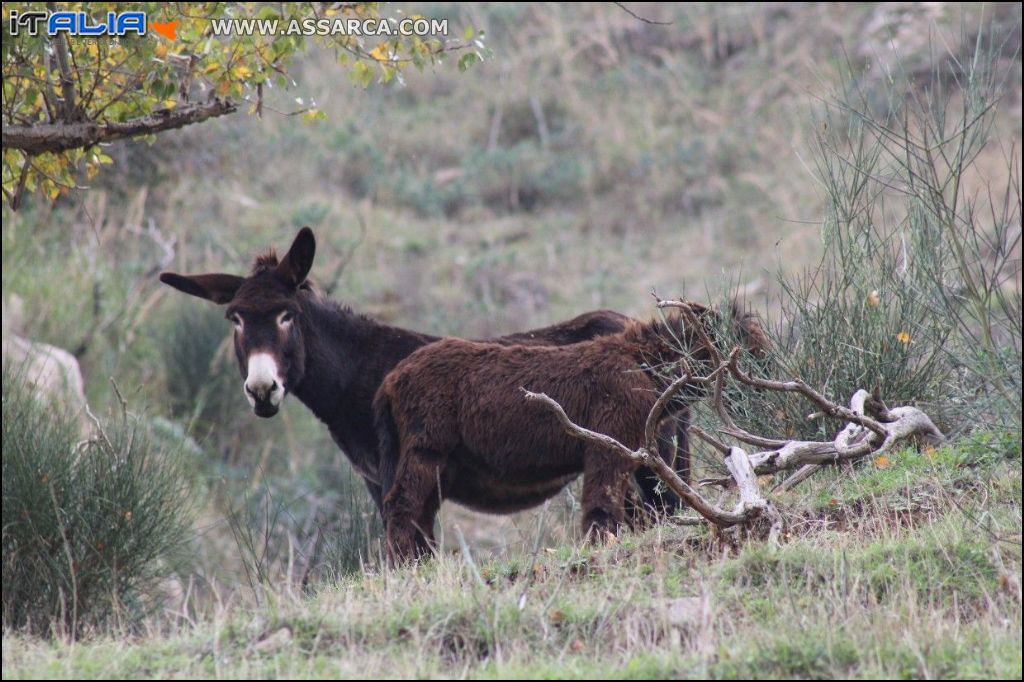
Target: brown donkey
x: 290, y: 339
x: 454, y: 423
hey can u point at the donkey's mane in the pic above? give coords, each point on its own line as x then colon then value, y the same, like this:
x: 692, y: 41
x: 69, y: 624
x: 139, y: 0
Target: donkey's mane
x: 317, y: 296
x: 264, y: 262
x: 268, y: 261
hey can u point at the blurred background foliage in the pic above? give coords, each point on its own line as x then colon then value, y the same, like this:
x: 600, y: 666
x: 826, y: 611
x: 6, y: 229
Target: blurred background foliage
x: 596, y: 156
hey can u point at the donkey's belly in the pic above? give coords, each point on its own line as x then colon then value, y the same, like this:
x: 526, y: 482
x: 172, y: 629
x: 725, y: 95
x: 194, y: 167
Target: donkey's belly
x: 500, y: 497
x: 474, y: 484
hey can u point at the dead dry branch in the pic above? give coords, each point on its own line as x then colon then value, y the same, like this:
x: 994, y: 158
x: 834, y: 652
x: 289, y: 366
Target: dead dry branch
x: 870, y: 429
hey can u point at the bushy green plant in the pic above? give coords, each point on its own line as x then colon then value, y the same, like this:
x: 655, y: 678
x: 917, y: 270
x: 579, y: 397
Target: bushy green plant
x: 524, y: 176
x: 918, y: 289
x: 89, y: 525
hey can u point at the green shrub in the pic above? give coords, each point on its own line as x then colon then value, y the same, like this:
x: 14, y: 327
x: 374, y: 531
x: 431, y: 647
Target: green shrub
x: 88, y: 525
x: 525, y: 176
x: 918, y: 289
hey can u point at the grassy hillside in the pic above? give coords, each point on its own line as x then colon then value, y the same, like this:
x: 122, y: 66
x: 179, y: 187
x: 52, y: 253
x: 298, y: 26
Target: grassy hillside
x: 912, y: 570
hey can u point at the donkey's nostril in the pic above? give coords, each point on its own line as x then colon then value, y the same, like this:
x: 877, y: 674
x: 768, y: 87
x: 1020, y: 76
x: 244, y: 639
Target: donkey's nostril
x: 261, y: 392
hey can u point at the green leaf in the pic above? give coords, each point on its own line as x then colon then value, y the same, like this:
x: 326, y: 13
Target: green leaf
x: 467, y: 60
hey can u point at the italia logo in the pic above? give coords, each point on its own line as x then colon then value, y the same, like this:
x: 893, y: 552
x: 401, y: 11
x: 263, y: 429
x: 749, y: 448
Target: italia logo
x: 81, y: 24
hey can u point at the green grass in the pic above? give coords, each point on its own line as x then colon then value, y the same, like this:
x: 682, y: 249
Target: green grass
x: 933, y: 594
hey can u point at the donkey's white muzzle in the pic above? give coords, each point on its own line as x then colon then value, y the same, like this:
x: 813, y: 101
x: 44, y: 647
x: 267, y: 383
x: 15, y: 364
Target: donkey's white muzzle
x: 264, y: 386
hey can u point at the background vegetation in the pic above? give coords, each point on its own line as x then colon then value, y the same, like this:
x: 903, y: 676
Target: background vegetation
x: 738, y: 149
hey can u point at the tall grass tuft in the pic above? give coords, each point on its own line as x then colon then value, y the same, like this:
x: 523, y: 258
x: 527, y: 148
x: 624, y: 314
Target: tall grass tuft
x: 304, y: 530
x: 90, y: 526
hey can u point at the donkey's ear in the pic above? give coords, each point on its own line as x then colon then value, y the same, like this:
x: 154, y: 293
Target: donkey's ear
x: 296, y: 264
x: 217, y: 288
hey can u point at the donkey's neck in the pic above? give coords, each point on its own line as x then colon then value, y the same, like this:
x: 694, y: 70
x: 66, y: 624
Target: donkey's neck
x: 347, y: 357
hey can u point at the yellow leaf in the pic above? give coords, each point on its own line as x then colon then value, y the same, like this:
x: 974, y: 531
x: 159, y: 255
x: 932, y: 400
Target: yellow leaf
x: 170, y: 103
x: 873, y: 300
x: 211, y: 67
x: 242, y: 71
x: 882, y: 462
x: 161, y: 50
x: 903, y: 337
x: 380, y: 53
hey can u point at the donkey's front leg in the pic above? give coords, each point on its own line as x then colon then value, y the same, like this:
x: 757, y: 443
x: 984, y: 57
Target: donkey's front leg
x: 411, y: 505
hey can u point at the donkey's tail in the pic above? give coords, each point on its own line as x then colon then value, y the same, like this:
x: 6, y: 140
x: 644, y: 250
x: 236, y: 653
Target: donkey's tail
x: 387, y: 440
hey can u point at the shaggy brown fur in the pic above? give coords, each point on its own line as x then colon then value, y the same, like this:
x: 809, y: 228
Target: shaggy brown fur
x: 454, y: 424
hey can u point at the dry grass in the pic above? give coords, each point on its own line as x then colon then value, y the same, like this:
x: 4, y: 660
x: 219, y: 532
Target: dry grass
x: 909, y: 571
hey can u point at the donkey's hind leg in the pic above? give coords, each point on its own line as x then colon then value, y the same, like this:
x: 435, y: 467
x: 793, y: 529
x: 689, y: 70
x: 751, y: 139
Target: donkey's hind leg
x: 605, y: 480
x: 411, y: 505
x: 656, y: 501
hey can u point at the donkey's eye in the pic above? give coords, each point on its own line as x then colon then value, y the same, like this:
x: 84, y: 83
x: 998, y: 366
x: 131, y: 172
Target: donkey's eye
x: 236, y: 320
x: 284, y: 318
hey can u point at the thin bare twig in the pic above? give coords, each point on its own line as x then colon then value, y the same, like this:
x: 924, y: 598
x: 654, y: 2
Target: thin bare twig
x: 640, y: 18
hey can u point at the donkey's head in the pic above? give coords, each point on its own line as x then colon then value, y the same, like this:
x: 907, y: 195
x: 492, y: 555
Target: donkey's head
x: 266, y: 310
